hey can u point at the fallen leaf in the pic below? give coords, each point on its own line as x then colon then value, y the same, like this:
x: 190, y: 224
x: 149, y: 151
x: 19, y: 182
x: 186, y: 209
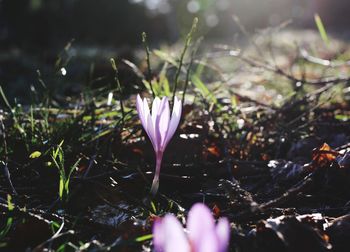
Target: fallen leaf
x: 324, y: 155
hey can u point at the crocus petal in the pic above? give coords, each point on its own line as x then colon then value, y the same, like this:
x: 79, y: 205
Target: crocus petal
x: 146, y: 113
x: 139, y: 107
x: 174, y: 121
x: 163, y: 122
x: 208, y: 242
x: 143, y: 112
x: 204, y: 236
x: 160, y: 111
x: 223, y: 234
x: 169, y: 236
x: 155, y: 109
x: 147, y: 124
x: 158, y: 235
x: 200, y: 221
x: 151, y: 133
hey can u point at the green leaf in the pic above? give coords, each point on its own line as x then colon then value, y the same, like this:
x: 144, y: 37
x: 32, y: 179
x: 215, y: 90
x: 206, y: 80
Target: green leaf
x: 165, y: 56
x: 35, y: 154
x: 6, y: 229
x: 62, y: 248
x: 32, y: 121
x: 54, y: 226
x: 166, y: 86
x: 198, y: 83
x: 2, y: 94
x: 61, y: 188
x: 321, y: 29
x: 147, y: 85
x: 144, y: 238
x: 103, y: 133
x: 56, y: 164
x: 154, y: 208
x: 66, y: 187
x: 58, y: 150
x: 343, y: 118
x: 156, y: 87
x: 10, y: 205
x: 74, y: 167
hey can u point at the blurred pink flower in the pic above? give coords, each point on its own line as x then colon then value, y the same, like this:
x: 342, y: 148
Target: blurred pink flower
x: 159, y: 126
x: 203, y: 234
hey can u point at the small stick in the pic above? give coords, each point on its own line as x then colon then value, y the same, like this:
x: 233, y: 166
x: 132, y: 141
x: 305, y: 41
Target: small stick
x: 187, y: 44
x: 5, y: 162
x: 188, y: 74
x: 289, y: 194
x: 149, y: 75
x: 114, y: 66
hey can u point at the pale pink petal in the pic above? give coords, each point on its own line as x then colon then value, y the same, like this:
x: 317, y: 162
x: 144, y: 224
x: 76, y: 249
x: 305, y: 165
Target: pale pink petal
x: 158, y: 235
x: 163, y: 122
x: 143, y: 112
x: 149, y: 128
x: 223, y: 234
x: 139, y: 107
x: 199, y: 222
x: 170, y: 237
x: 146, y: 112
x: 174, y: 121
x: 155, y: 109
x: 208, y: 242
x: 151, y: 133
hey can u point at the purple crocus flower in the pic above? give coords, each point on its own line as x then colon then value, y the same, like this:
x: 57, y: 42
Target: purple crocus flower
x: 203, y: 235
x: 159, y: 126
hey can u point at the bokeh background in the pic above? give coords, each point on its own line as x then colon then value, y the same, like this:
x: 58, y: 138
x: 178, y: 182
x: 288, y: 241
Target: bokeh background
x: 34, y: 32
x: 49, y: 23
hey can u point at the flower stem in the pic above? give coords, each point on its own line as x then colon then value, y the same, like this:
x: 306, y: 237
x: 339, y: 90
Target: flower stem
x: 182, y: 57
x: 155, y: 183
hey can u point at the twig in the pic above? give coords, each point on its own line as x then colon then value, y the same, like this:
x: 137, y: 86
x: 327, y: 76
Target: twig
x: 53, y: 238
x: 116, y: 78
x: 5, y: 162
x: 188, y: 74
x: 263, y: 65
x: 187, y: 44
x: 279, y: 71
x: 149, y: 75
x: 289, y: 194
x: 327, y: 63
x: 91, y: 162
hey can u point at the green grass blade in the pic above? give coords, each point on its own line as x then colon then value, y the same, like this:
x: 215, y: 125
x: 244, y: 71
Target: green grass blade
x: 198, y: 83
x: 165, y: 57
x: 61, y: 188
x: 321, y: 29
x: 6, y: 229
x: 35, y: 154
x: 144, y: 238
x: 10, y: 205
x: 5, y: 99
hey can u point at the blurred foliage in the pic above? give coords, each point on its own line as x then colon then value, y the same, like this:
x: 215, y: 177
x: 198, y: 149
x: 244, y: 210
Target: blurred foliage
x: 39, y: 23
x: 111, y: 22
x: 51, y: 22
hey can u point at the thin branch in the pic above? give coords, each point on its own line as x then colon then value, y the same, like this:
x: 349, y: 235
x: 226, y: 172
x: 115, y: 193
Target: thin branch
x: 187, y: 44
x: 5, y: 162
x: 149, y: 75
